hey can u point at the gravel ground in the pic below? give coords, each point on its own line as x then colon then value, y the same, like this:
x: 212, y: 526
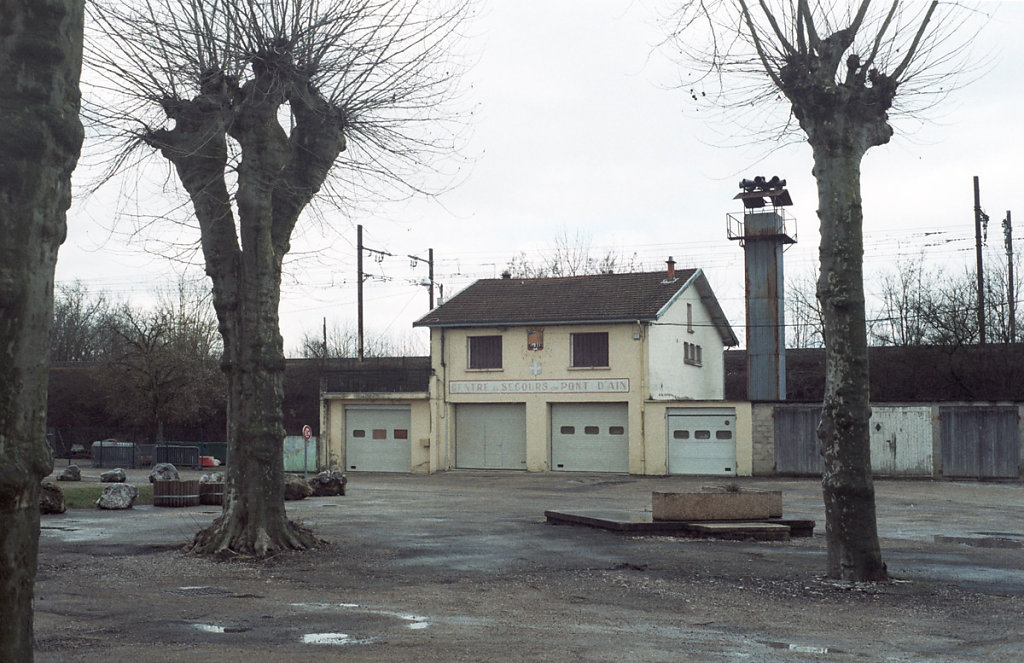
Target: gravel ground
x: 462, y: 566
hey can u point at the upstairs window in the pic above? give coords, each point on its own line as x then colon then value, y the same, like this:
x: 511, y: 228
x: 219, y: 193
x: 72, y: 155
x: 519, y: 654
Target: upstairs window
x: 484, y: 352
x: 692, y: 354
x: 589, y: 350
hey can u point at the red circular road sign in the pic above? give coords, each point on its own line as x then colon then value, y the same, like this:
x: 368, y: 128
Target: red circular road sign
x: 307, y: 432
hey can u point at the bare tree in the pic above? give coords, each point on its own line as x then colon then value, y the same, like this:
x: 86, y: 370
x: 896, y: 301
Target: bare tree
x: 906, y: 294
x: 78, y: 320
x: 344, y: 342
x: 569, y: 256
x: 162, y: 366
x: 207, y: 85
x: 841, y: 68
x: 803, y: 313
x: 40, y: 139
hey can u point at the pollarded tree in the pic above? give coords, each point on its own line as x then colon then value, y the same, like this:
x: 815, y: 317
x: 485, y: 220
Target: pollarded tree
x: 40, y: 139
x: 841, y: 67
x: 207, y: 84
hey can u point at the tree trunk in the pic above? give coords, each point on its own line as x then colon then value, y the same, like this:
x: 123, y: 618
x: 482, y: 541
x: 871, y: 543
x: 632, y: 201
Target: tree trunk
x: 254, y: 521
x: 40, y: 139
x: 246, y: 297
x: 849, y: 493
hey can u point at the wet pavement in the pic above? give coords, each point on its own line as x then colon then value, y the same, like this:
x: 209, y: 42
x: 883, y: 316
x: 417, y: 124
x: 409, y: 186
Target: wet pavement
x: 463, y: 566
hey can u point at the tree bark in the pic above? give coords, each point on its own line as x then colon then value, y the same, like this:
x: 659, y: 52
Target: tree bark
x: 850, y: 527
x: 40, y: 140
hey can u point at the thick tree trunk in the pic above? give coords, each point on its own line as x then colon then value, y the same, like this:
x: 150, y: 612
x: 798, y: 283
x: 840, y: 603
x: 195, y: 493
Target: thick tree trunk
x: 40, y: 139
x: 254, y: 521
x: 849, y: 493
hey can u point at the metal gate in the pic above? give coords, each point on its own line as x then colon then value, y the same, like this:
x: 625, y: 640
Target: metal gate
x: 901, y: 440
x: 797, y: 448
x: 980, y: 442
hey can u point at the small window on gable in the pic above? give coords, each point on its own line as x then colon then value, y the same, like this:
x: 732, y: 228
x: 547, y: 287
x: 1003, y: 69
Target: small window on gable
x: 692, y: 354
x: 484, y: 352
x: 689, y: 317
x: 589, y: 350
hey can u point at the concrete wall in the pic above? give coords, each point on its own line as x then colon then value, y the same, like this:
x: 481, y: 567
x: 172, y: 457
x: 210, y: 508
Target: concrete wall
x: 762, y: 439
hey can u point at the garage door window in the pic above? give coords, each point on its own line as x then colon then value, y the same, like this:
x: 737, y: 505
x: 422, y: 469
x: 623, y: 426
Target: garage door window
x: 589, y: 350
x: 484, y: 352
x: 401, y: 434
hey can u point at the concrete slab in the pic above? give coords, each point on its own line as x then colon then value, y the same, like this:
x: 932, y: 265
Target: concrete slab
x: 742, y: 531
x: 641, y: 522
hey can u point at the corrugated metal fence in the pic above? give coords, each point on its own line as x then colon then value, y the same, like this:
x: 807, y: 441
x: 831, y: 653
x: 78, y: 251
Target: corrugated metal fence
x: 975, y: 442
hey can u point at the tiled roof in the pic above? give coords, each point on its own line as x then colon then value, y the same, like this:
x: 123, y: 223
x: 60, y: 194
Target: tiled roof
x: 592, y: 298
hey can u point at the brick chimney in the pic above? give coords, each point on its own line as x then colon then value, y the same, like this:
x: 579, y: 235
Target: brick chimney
x: 671, y: 268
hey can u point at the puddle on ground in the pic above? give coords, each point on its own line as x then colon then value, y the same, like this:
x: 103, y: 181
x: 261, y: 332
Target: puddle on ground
x: 215, y: 628
x: 416, y: 622
x: 802, y: 649
x: 982, y: 541
x: 327, y: 639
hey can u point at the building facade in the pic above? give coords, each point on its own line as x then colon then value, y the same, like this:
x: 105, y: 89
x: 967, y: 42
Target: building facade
x: 618, y: 373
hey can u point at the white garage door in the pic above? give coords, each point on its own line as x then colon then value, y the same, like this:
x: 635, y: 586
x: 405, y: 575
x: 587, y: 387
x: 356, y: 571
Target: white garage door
x: 590, y: 437
x: 490, y: 436
x: 702, y: 441
x: 377, y: 438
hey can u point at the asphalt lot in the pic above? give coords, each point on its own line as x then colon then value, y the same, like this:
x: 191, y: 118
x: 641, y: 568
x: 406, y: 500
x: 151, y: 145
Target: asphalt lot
x: 462, y: 566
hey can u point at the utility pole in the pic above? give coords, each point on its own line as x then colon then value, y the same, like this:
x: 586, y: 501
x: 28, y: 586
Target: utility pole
x: 1011, y: 290
x: 430, y: 272
x: 978, y: 217
x: 359, y: 287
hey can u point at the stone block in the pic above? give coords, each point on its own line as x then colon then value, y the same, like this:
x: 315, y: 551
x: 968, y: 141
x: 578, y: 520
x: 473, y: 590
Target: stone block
x: 717, y: 505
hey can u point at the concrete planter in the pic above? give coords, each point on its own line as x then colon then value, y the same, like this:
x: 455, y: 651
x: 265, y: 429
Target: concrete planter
x: 717, y: 505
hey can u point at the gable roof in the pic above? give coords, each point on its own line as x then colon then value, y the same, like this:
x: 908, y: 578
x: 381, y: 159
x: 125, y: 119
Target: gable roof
x: 595, y: 298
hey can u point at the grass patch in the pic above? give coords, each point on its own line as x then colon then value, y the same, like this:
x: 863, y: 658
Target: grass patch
x: 84, y: 495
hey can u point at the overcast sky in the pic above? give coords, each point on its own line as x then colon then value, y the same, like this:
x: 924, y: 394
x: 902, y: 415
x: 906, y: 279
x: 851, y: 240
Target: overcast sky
x: 576, y: 129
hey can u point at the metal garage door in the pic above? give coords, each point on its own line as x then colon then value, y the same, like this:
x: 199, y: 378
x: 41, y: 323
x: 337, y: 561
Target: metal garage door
x: 702, y: 441
x: 901, y: 440
x: 590, y: 437
x: 377, y: 438
x: 490, y: 436
x: 980, y: 442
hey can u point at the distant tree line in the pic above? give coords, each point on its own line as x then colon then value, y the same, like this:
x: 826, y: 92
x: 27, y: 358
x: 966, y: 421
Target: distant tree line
x: 154, y: 367
x: 920, y: 304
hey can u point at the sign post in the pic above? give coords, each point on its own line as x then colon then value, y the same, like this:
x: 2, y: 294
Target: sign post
x: 307, y: 433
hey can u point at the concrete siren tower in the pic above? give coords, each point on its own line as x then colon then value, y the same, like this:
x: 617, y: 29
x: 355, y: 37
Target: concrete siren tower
x: 763, y: 235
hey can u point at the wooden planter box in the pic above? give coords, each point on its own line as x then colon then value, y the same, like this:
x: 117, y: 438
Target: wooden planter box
x: 176, y: 493
x: 211, y: 493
